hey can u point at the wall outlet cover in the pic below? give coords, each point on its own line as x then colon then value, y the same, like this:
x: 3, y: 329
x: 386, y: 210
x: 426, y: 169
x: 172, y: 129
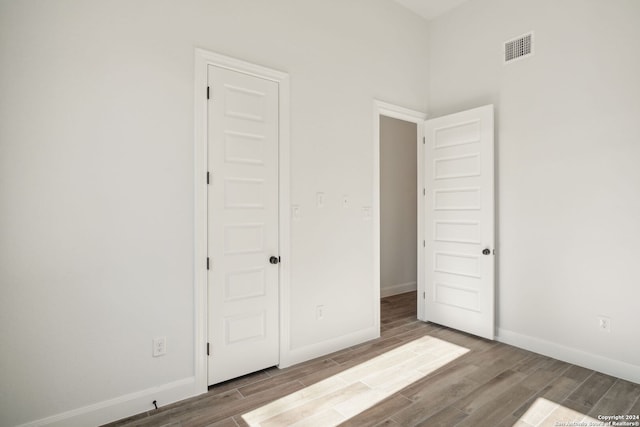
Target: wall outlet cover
x: 366, y: 212
x: 604, y: 324
x: 159, y: 346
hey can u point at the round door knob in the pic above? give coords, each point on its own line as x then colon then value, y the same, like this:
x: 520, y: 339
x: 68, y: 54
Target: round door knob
x: 486, y: 251
x: 274, y: 260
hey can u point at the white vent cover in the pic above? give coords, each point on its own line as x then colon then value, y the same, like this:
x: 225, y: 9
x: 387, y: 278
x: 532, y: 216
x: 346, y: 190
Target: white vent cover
x: 519, y: 47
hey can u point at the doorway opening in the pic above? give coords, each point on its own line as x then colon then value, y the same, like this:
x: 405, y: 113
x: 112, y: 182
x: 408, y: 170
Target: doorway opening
x: 397, y: 213
x: 398, y: 206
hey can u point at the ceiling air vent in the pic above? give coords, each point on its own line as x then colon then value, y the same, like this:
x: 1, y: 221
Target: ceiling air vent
x: 519, y: 47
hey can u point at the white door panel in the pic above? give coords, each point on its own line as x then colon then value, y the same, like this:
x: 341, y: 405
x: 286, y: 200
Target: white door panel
x: 459, y: 221
x: 242, y: 223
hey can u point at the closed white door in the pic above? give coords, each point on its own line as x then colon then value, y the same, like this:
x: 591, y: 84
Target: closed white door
x: 243, y: 224
x: 459, y: 223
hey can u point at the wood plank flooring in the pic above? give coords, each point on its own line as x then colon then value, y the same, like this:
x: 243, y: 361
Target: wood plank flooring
x: 415, y: 374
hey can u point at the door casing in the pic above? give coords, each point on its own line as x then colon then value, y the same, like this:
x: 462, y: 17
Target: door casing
x: 203, y: 59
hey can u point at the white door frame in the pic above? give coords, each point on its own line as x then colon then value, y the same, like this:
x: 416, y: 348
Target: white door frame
x: 203, y: 59
x: 381, y: 108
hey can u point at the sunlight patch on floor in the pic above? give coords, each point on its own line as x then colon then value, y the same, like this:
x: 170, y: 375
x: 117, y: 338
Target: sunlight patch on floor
x: 345, y: 395
x: 545, y: 413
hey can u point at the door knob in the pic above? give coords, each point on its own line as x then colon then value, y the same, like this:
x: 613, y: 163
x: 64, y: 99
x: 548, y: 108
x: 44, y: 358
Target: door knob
x: 274, y: 260
x: 486, y: 251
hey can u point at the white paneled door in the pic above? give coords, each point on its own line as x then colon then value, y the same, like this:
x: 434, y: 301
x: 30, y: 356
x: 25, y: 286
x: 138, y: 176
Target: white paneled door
x: 459, y: 222
x: 243, y: 259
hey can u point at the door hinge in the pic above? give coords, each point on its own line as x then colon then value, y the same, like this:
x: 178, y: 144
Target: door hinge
x: 424, y: 243
x: 207, y: 349
x: 424, y: 295
x: 423, y: 140
x: 207, y: 177
x: 424, y: 191
x: 207, y: 263
x: 207, y: 92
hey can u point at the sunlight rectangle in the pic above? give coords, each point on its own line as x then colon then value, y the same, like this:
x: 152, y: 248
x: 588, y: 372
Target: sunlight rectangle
x: 348, y: 393
x: 545, y: 413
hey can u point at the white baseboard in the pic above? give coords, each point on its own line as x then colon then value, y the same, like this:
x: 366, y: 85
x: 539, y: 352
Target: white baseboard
x: 134, y: 403
x: 401, y: 288
x: 309, y: 352
x: 582, y: 358
x: 120, y: 407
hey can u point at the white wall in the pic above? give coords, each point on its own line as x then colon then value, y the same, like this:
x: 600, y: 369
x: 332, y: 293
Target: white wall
x: 96, y: 183
x: 398, y: 206
x: 567, y: 154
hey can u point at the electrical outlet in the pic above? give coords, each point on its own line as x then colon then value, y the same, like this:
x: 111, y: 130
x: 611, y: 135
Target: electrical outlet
x: 320, y: 312
x: 320, y: 200
x: 345, y: 201
x: 604, y: 324
x: 159, y: 346
x: 366, y: 212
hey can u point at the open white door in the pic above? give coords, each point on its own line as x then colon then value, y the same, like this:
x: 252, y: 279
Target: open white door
x: 459, y: 221
x: 243, y: 275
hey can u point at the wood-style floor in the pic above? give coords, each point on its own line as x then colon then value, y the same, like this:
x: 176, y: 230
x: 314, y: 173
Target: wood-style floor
x: 416, y: 374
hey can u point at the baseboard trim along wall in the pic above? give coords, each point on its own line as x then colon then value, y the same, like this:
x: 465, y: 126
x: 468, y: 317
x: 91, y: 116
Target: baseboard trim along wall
x: 121, y: 407
x: 401, y: 288
x: 582, y: 358
x: 302, y: 354
x: 138, y: 402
